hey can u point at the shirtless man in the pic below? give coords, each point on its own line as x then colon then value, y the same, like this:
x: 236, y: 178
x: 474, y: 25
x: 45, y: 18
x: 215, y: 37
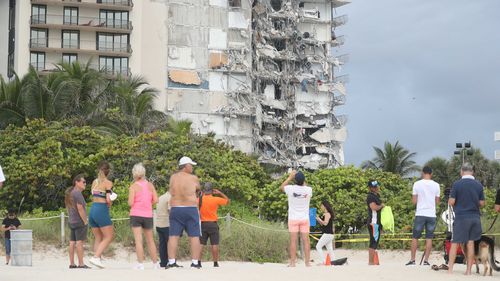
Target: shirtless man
x: 184, y: 213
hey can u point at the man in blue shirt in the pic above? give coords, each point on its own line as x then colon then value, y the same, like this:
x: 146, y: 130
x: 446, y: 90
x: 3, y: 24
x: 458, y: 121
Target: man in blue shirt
x: 466, y: 197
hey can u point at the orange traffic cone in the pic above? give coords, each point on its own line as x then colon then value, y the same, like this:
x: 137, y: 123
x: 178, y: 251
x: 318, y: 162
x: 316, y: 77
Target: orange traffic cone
x: 375, y: 259
x: 328, y: 261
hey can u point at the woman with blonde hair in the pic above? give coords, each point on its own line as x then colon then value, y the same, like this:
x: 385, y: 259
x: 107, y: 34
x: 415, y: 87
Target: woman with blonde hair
x: 142, y: 196
x: 99, y: 218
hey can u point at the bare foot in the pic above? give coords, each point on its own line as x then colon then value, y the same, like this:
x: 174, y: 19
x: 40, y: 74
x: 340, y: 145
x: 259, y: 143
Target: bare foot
x: 291, y: 265
x: 467, y: 273
x: 450, y: 271
x: 308, y: 264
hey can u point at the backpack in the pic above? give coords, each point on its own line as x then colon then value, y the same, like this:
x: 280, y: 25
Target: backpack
x: 387, y: 219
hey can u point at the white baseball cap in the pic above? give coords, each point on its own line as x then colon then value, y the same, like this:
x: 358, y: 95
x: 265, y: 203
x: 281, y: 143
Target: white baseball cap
x: 186, y: 160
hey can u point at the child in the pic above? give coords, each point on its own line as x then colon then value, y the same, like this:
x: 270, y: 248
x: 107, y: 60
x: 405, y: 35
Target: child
x: 11, y: 222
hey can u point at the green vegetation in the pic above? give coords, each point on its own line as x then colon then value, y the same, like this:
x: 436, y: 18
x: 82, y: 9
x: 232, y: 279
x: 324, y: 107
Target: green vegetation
x: 80, y: 95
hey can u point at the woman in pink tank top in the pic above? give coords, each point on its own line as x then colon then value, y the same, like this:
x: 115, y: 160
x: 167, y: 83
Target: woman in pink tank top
x: 142, y: 195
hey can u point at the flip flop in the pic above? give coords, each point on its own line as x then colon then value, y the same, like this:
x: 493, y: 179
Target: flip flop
x: 443, y: 267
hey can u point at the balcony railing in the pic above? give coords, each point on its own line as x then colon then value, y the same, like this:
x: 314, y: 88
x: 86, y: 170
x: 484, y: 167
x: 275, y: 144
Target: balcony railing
x: 127, y: 3
x: 38, y: 43
x: 39, y: 66
x: 82, y: 45
x: 116, y: 2
x: 81, y: 22
x: 123, y: 71
x: 123, y: 48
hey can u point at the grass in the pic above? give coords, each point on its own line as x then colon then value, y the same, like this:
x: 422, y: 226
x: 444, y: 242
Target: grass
x: 239, y: 242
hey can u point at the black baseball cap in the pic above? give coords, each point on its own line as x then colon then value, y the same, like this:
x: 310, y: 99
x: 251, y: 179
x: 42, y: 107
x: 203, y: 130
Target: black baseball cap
x: 373, y: 183
x: 300, y: 178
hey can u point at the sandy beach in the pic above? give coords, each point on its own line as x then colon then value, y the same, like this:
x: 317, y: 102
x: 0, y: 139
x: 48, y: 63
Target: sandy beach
x: 53, y: 265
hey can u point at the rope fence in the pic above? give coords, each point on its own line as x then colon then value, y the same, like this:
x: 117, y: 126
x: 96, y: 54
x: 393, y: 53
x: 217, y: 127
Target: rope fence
x: 404, y: 236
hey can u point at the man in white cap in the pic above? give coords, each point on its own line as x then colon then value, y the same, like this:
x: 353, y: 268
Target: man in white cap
x: 184, y: 213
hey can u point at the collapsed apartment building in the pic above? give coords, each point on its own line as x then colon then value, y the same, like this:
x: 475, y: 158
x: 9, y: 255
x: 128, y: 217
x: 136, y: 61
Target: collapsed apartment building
x: 261, y: 76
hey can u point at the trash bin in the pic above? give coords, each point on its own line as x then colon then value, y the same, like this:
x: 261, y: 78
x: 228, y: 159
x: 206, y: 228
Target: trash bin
x: 21, y: 247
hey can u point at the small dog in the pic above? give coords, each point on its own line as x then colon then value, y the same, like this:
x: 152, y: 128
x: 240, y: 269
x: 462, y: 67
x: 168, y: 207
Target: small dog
x: 484, y: 252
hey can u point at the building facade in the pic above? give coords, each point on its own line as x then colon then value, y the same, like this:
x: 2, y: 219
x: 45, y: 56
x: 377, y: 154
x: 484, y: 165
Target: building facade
x: 261, y: 75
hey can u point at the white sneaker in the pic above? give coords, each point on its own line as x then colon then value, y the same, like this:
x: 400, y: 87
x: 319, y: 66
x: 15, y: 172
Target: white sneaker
x: 156, y: 265
x: 139, y: 266
x: 96, y: 261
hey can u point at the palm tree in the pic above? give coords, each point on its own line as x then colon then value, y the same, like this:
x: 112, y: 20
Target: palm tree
x: 439, y: 170
x: 393, y: 158
x: 79, y: 91
x: 131, y: 110
x: 11, y: 108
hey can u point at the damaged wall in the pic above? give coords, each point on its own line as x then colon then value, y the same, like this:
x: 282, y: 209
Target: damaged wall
x: 261, y: 75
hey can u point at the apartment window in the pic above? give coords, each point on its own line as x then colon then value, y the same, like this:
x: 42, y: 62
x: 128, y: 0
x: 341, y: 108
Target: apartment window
x: 39, y: 38
x: 113, y: 65
x: 37, y: 60
x: 114, y: 19
x: 70, y: 39
x: 69, y: 58
x: 112, y: 42
x: 38, y: 14
x: 235, y: 3
x: 70, y: 15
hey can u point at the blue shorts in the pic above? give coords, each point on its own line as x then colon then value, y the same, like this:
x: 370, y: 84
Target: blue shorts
x: 7, y: 246
x: 184, y: 218
x: 99, y: 215
x: 418, y: 227
x: 466, y: 229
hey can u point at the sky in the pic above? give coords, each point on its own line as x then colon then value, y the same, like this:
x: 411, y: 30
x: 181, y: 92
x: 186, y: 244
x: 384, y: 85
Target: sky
x: 424, y: 73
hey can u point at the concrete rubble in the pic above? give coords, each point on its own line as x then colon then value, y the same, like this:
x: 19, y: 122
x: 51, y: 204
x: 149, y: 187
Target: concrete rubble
x: 261, y: 75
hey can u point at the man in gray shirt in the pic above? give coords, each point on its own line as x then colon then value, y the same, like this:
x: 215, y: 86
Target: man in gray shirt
x: 77, y: 219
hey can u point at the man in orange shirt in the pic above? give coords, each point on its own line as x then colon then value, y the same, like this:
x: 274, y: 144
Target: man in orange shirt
x: 209, y: 204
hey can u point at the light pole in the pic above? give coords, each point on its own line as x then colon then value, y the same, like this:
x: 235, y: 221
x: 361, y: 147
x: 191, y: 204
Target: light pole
x: 463, y: 149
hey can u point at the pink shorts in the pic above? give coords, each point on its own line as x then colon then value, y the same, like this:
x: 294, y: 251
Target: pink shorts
x: 301, y: 226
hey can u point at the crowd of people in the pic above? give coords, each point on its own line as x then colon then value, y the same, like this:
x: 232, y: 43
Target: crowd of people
x: 187, y: 207
x: 466, y: 199
x: 183, y: 208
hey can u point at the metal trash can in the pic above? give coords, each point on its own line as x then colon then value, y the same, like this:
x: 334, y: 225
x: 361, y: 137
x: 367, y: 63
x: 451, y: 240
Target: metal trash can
x: 21, y: 247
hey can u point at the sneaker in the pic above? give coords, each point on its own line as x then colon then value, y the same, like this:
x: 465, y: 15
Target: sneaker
x: 71, y: 266
x: 410, y: 263
x: 84, y: 266
x: 139, y: 266
x: 216, y: 264
x: 173, y: 265
x: 96, y: 261
x: 426, y: 263
x: 156, y: 265
x: 197, y: 266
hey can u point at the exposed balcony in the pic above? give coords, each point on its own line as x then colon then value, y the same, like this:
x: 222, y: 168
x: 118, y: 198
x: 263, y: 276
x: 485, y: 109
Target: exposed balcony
x: 338, y: 21
x: 340, y: 3
x: 123, y: 5
x: 81, y: 47
x: 338, y: 41
x: 81, y: 23
x: 341, y: 79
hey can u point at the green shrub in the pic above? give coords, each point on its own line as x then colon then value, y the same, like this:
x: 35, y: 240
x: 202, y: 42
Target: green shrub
x: 41, y: 158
